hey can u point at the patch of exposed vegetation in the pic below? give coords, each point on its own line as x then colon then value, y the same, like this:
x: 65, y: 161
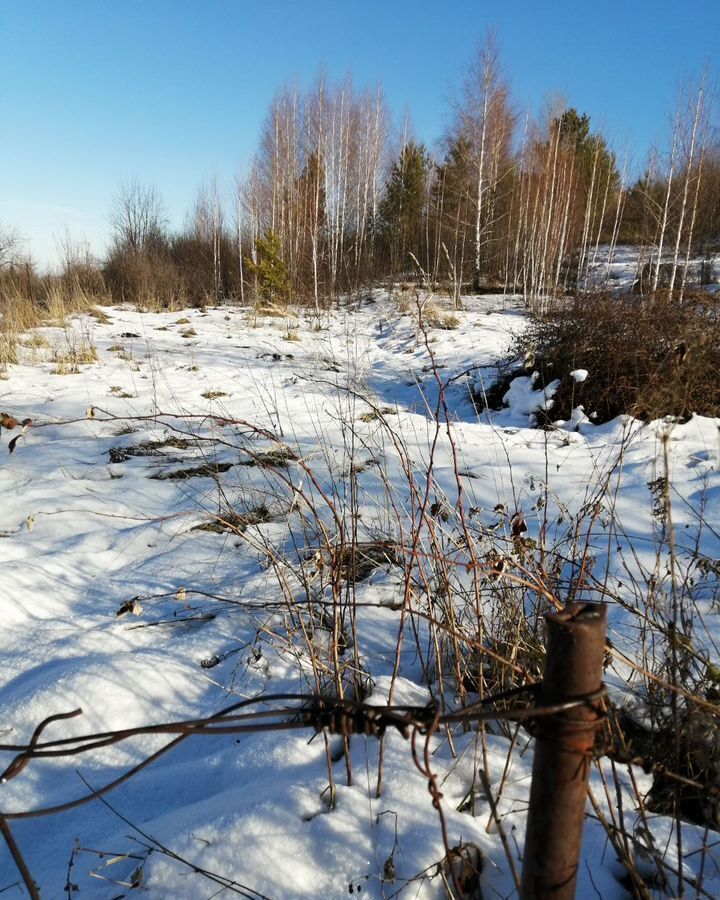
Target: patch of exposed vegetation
x: 214, y: 395
x: 435, y: 317
x: 36, y: 341
x: 355, y: 562
x: 99, y: 315
x: 279, y: 458
x: 69, y: 360
x: 232, y: 522
x: 206, y: 470
x: 147, y: 448
x: 374, y: 415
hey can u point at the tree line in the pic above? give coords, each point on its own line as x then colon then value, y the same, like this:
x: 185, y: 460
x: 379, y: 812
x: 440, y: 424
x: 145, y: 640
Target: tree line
x: 333, y: 201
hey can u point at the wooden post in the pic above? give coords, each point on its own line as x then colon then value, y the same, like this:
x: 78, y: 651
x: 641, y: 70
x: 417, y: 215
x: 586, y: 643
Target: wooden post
x: 563, y: 748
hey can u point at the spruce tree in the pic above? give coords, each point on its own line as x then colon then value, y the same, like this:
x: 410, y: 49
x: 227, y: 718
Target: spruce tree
x: 269, y: 270
x: 402, y: 210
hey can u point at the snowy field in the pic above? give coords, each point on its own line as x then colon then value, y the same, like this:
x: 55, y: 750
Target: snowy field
x: 164, y: 535
x: 618, y: 268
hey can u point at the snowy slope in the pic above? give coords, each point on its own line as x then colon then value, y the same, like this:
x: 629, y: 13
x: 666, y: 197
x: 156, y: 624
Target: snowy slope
x: 178, y: 424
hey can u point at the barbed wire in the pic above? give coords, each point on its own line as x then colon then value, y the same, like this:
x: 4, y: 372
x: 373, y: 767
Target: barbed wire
x: 337, y: 717
x: 332, y: 715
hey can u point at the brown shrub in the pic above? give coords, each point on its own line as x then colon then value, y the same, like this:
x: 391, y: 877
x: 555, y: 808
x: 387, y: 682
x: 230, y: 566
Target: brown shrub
x: 649, y: 358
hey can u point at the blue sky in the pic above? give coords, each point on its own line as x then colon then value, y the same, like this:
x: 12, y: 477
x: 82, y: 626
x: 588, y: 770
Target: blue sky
x: 173, y: 92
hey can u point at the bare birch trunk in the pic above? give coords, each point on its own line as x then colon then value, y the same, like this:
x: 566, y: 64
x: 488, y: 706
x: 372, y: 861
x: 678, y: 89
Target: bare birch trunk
x: 688, y: 174
x: 666, y: 206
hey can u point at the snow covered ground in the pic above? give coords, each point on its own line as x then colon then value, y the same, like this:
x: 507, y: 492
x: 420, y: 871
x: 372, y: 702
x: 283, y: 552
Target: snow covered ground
x: 618, y: 268
x: 113, y: 597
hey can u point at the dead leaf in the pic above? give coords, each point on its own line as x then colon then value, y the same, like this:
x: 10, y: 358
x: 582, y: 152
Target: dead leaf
x: 517, y: 524
x: 389, y: 870
x: 26, y: 423
x: 439, y: 510
x: 133, y: 606
x: 464, y: 864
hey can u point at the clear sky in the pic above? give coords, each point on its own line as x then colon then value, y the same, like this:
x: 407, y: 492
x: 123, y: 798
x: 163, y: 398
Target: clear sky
x: 173, y: 92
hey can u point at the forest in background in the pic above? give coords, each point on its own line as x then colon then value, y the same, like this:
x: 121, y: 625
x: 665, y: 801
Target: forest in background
x: 336, y: 200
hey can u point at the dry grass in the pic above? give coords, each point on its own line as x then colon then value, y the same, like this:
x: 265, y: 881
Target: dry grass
x: 8, y: 350
x: 19, y: 315
x: 76, y: 350
x: 28, y: 301
x: 428, y: 309
x: 100, y: 317
x: 64, y: 298
x: 36, y: 341
x: 68, y: 362
x: 435, y: 317
x: 273, y: 311
x: 214, y: 395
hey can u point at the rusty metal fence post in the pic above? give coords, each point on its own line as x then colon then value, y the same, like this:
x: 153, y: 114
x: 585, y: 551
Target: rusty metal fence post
x: 563, y: 745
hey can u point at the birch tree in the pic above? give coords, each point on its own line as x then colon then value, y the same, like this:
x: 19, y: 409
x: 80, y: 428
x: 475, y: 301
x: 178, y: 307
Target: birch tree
x: 693, y: 138
x: 485, y: 118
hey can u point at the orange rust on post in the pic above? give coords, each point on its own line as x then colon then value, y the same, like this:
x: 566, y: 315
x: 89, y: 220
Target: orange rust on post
x: 563, y: 750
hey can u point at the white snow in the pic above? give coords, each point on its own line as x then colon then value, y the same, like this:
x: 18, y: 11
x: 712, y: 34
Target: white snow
x: 357, y: 393
x: 619, y: 268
